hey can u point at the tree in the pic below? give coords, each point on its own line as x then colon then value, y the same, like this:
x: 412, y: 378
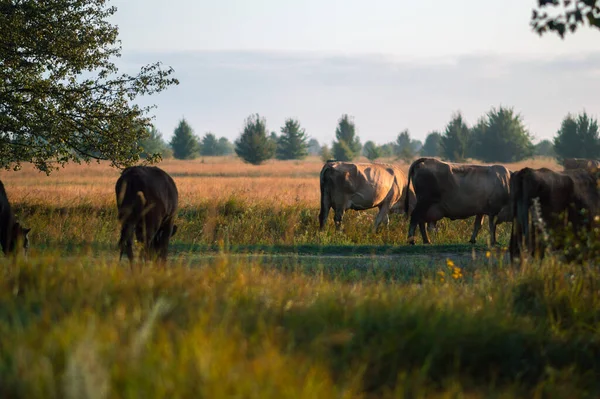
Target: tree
x: 209, y: 145
x: 184, y: 143
x: 154, y: 144
x: 50, y: 113
x: 292, y: 143
x: 387, y: 150
x: 224, y: 147
x: 371, y: 151
x: 314, y: 148
x: 325, y: 153
x: 455, y: 140
x: 571, y: 13
x: 253, y: 145
x: 432, y: 146
x: 404, y: 146
x: 347, y: 147
x: 544, y: 148
x: 577, y: 138
x: 416, y: 145
x: 501, y: 137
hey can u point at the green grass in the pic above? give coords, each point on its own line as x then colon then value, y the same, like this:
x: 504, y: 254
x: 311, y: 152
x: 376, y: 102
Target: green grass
x: 237, y: 224
x: 238, y: 326
x: 257, y: 303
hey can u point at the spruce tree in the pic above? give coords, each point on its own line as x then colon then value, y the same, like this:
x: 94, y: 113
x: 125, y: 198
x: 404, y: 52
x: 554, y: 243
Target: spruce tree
x: 210, y: 145
x: 254, y: 145
x: 455, y: 140
x: 293, y: 142
x: 371, y: 151
x: 184, y: 143
x: 347, y: 147
x: 577, y: 138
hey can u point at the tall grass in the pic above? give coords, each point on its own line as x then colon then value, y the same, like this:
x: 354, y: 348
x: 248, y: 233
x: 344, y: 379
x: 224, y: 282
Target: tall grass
x: 84, y: 328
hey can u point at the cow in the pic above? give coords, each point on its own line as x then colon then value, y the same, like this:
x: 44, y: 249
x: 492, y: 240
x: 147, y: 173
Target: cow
x: 458, y: 191
x: 361, y: 186
x: 566, y: 192
x: 147, y: 201
x: 580, y: 163
x: 13, y: 236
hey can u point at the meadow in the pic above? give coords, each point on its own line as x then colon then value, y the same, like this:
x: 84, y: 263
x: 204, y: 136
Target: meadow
x: 257, y: 303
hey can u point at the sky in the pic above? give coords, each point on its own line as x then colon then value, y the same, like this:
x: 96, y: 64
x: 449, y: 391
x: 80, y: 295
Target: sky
x: 391, y: 65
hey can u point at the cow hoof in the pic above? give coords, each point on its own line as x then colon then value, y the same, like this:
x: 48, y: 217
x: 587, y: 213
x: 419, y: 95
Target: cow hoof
x: 472, y: 241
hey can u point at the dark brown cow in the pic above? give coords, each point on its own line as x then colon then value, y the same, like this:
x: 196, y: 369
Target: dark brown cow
x: 558, y: 192
x: 12, y: 234
x: 580, y: 163
x: 458, y: 191
x: 361, y: 186
x: 147, y: 200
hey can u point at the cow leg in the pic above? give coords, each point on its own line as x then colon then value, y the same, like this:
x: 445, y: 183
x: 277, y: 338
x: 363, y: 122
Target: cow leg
x: 162, y: 242
x: 382, y: 216
x: 476, y: 228
x: 337, y: 218
x: 417, y: 217
x: 324, y: 213
x: 126, y: 243
x: 424, y: 234
x: 492, y: 221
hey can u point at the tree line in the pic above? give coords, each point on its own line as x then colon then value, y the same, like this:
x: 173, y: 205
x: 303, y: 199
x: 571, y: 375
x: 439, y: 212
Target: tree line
x: 498, y: 136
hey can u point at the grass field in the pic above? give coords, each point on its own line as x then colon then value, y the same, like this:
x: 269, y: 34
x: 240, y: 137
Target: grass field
x: 257, y: 303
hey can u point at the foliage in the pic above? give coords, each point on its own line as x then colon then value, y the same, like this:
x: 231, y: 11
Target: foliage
x: 416, y: 145
x: 209, y: 145
x: 224, y: 147
x: 347, y: 147
x: 387, y: 150
x: 432, y: 146
x: 61, y: 97
x: 570, y: 15
x: 292, y: 143
x: 404, y: 147
x: 314, y: 148
x: 544, y: 148
x: 154, y: 144
x: 253, y: 145
x: 325, y: 153
x: 501, y: 137
x: 578, y: 137
x: 455, y: 139
x: 371, y: 151
x: 184, y: 143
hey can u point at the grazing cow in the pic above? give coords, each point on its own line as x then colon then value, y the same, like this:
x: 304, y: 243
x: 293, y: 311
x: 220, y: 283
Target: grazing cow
x: 361, y: 186
x: 12, y: 234
x: 580, y: 163
x: 568, y: 191
x: 458, y: 191
x: 147, y: 200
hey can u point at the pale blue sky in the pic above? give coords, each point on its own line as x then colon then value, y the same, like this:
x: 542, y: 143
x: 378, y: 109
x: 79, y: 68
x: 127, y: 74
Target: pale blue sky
x: 391, y: 64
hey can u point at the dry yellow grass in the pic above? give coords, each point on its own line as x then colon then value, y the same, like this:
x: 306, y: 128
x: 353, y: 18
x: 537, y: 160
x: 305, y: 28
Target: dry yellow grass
x: 208, y: 179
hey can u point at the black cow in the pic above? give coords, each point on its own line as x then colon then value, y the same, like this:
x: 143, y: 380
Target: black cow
x: 566, y: 192
x: 12, y: 234
x: 147, y: 200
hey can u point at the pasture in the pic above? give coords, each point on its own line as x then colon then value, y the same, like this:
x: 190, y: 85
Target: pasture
x: 257, y: 303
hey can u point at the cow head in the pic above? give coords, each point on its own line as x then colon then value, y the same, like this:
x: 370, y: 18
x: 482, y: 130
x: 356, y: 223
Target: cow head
x: 19, y: 238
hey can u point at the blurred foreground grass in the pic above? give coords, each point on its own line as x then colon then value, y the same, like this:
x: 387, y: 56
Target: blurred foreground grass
x: 236, y: 327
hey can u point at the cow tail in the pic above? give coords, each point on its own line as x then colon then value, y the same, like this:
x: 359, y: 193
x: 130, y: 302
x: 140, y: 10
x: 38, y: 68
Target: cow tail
x: 411, y: 171
x: 324, y: 191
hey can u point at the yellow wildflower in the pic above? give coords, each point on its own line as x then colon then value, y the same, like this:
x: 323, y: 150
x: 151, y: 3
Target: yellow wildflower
x: 488, y: 254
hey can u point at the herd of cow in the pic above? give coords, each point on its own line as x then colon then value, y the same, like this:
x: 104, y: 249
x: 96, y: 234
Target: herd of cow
x: 459, y: 191
x: 147, y: 200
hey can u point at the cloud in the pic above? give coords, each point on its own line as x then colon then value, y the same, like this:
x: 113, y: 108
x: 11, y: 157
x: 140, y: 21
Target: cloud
x: 384, y: 94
